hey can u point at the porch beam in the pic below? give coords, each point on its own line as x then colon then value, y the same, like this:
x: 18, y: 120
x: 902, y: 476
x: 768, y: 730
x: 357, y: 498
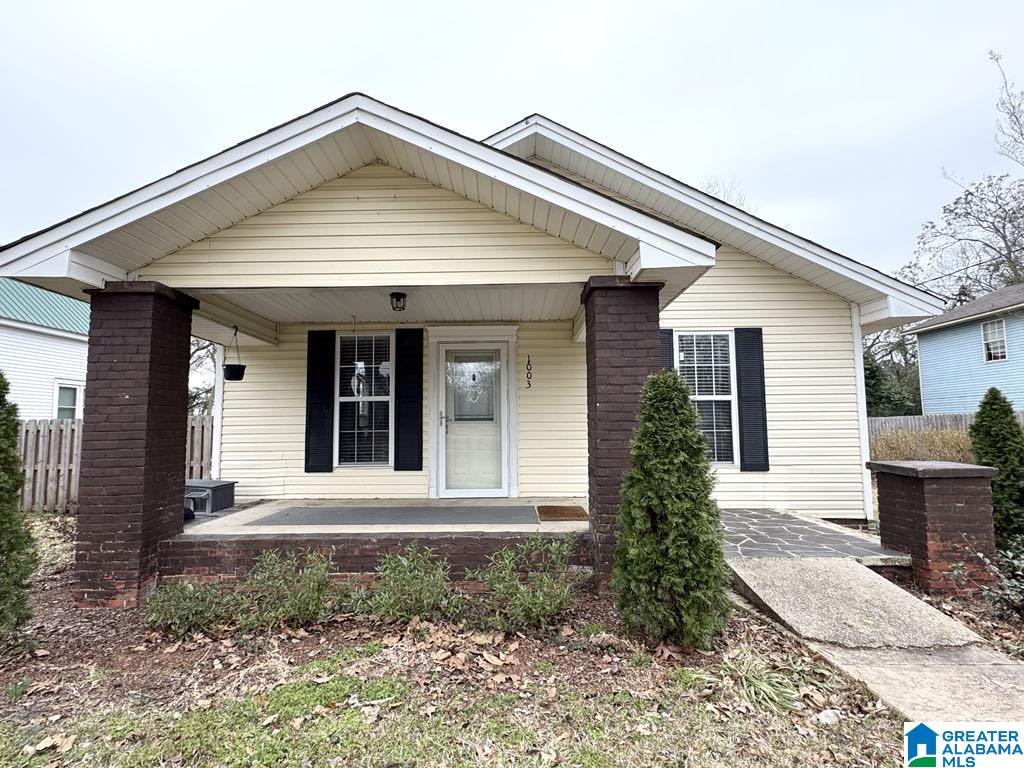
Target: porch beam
x: 227, y: 314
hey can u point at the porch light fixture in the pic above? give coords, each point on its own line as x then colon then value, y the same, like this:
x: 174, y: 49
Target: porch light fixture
x: 398, y: 301
x: 234, y: 371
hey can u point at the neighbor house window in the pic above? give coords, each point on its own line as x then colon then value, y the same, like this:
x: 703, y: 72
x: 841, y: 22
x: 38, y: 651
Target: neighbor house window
x: 67, y: 401
x: 364, y: 398
x: 993, y: 340
x: 704, y: 361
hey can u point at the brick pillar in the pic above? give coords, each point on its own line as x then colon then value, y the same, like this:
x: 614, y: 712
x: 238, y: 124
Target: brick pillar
x: 132, y: 481
x: 940, y: 513
x: 622, y: 351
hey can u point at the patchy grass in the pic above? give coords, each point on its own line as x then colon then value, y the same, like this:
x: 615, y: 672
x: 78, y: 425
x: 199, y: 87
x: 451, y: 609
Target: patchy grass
x: 427, y: 694
x: 354, y: 722
x: 91, y: 688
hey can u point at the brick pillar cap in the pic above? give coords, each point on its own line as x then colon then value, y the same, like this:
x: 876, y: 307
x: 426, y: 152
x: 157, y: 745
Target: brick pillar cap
x: 145, y: 287
x: 929, y: 469
x: 596, y: 282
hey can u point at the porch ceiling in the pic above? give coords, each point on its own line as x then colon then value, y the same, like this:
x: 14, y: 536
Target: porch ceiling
x: 424, y: 304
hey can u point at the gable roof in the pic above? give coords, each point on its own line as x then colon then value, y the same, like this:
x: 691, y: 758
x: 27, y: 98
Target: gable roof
x: 1001, y: 301
x: 885, y: 300
x: 536, y: 171
x: 111, y: 241
x: 34, y: 306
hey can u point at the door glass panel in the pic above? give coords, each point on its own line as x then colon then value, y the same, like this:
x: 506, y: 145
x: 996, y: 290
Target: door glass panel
x: 473, y: 424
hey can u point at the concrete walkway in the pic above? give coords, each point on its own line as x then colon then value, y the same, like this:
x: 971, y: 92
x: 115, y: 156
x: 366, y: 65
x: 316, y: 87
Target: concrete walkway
x: 912, y: 656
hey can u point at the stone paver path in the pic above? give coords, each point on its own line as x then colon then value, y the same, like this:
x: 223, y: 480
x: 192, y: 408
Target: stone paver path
x: 766, y: 533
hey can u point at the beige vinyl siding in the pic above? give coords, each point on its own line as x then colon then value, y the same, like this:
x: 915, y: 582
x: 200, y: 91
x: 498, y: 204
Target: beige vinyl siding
x: 263, y: 438
x: 552, y: 411
x: 376, y: 226
x: 810, y: 385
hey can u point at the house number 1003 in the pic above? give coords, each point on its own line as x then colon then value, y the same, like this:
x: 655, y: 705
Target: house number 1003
x: 529, y: 372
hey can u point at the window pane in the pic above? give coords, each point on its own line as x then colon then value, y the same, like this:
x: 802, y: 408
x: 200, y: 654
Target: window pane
x: 66, y: 397
x: 347, y: 448
x: 364, y: 374
x: 364, y: 349
x: 381, y: 349
x: 64, y: 412
x: 348, y: 350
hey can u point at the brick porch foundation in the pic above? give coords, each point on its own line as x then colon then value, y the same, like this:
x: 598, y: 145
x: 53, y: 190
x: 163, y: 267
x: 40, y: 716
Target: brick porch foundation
x: 940, y: 513
x: 132, y: 483
x: 622, y: 351
x: 227, y: 558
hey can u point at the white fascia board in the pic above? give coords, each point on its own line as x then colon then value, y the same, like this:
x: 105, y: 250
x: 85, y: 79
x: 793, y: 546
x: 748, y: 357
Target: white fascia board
x: 81, y: 267
x: 925, y: 303
x: 330, y: 119
x: 888, y: 312
x: 655, y: 265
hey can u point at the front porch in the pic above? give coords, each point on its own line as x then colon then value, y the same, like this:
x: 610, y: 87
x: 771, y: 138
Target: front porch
x: 353, y: 534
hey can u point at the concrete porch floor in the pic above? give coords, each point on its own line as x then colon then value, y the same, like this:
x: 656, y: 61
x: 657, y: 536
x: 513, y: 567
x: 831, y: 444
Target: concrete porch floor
x: 397, y: 516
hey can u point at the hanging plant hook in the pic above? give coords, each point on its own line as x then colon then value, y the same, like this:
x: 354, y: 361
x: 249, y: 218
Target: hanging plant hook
x: 234, y: 371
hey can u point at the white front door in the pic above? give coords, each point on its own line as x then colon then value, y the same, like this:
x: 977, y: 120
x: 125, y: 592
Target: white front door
x: 473, y: 424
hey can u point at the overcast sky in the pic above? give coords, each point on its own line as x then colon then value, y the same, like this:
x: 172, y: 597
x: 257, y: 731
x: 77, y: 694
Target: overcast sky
x: 835, y: 119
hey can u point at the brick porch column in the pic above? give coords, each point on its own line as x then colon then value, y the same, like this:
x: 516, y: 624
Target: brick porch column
x: 132, y: 481
x: 940, y: 513
x: 622, y: 351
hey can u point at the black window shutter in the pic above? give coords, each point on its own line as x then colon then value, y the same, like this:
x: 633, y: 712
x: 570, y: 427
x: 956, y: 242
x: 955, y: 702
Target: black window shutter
x: 408, y: 383
x: 665, y: 339
x: 320, y: 400
x: 753, y: 424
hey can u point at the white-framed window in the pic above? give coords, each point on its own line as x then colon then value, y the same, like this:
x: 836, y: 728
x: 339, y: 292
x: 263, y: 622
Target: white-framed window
x: 993, y: 340
x: 67, y: 399
x: 364, y: 418
x: 704, y: 359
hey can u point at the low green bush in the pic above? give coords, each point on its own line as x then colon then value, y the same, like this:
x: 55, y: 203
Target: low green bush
x: 409, y: 584
x: 525, y: 587
x: 184, y: 608
x: 286, y: 591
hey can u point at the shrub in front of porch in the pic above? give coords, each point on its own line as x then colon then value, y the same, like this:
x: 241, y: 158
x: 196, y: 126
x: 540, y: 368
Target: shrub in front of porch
x: 17, y: 550
x: 524, y: 587
x: 411, y: 583
x: 670, y: 574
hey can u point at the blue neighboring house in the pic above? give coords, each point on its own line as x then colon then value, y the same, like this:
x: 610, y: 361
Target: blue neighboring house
x: 971, y: 348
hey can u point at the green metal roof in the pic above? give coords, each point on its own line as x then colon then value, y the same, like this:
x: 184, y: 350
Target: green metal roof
x: 27, y: 304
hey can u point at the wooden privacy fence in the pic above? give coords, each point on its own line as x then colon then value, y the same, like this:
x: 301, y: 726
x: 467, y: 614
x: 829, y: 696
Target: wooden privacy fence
x: 51, y: 451
x: 960, y: 422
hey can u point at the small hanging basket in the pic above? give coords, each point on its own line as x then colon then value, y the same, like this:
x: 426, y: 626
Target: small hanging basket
x: 234, y: 371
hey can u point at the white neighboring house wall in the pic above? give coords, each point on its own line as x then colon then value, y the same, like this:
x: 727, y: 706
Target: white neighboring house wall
x: 37, y: 361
